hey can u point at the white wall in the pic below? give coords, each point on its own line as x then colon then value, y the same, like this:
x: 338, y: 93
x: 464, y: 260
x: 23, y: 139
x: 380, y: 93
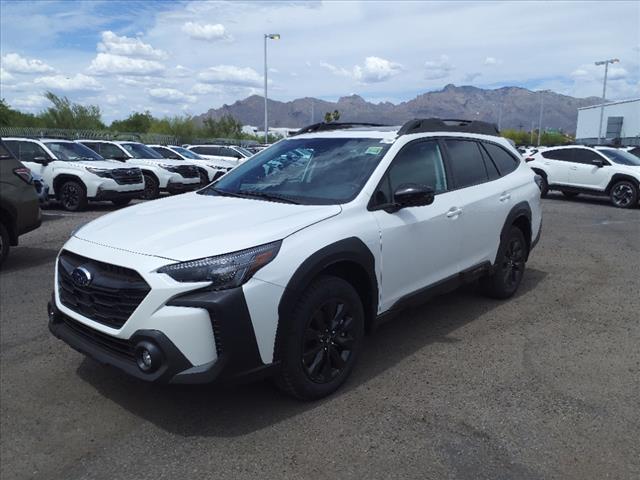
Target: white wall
x: 589, y: 119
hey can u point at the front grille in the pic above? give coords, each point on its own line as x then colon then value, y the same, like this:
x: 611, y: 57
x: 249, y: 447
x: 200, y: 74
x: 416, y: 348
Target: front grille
x: 127, y: 176
x: 187, y: 171
x: 118, y: 346
x: 110, y: 297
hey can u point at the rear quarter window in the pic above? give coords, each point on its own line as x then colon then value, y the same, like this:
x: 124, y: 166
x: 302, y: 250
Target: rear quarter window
x: 467, y: 164
x: 505, y: 162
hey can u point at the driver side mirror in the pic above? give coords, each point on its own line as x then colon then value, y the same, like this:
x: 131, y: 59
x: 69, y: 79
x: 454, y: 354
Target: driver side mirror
x: 598, y: 162
x: 41, y: 160
x: 413, y: 195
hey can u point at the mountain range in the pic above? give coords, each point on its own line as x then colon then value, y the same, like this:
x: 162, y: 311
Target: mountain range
x: 511, y: 107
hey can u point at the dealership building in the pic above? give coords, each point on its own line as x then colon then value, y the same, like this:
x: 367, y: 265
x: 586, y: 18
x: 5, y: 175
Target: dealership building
x: 620, y: 123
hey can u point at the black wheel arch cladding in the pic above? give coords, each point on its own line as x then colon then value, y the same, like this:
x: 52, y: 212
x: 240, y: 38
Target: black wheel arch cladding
x: 519, y: 216
x: 349, y: 259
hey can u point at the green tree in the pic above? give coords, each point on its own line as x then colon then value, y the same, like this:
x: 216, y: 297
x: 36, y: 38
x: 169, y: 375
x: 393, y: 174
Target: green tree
x: 10, y: 117
x: 64, y: 114
x: 136, y: 122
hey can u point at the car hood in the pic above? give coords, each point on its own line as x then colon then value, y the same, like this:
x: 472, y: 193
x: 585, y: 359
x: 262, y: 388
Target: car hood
x: 108, y: 164
x: 191, y: 226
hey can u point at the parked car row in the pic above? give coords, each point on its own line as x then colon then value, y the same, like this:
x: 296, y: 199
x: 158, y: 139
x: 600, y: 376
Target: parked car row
x: 576, y: 169
x: 77, y: 172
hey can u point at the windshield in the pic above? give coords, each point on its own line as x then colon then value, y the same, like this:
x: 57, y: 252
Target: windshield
x: 316, y: 171
x: 243, y: 151
x: 137, y: 150
x: 70, y: 151
x: 621, y: 157
x: 187, y: 153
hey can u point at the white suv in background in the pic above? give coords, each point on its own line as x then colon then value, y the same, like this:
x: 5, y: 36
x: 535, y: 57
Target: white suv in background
x: 210, y: 169
x: 76, y: 174
x: 229, y: 153
x: 576, y: 169
x: 280, y: 266
x: 160, y: 174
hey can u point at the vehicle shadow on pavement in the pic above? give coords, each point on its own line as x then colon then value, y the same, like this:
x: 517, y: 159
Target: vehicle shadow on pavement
x: 28, y: 257
x: 234, y: 410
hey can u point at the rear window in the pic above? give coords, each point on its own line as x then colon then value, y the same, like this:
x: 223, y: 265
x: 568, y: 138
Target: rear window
x: 467, y: 164
x: 505, y: 162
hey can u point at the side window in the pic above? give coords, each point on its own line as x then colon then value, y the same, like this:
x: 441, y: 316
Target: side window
x: 206, y: 150
x: 93, y: 146
x: 489, y: 164
x: 562, y: 154
x: 419, y: 162
x: 166, y: 153
x: 467, y: 165
x: 586, y: 156
x: 229, y: 152
x: 505, y: 162
x: 29, y: 151
x: 12, y: 145
x: 108, y: 150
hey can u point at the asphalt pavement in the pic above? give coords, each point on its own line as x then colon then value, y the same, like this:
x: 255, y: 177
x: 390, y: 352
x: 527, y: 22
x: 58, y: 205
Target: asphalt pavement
x: 545, y: 385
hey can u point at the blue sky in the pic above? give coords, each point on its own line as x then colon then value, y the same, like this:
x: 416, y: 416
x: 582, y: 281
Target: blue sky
x: 186, y: 57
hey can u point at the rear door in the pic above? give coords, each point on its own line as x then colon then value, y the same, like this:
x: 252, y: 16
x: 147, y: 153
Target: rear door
x: 584, y: 174
x: 484, y: 200
x: 556, y: 163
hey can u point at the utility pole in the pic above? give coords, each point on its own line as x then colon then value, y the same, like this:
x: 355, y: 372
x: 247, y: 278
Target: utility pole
x: 271, y: 36
x: 604, y: 92
x: 531, y: 136
x: 540, y: 118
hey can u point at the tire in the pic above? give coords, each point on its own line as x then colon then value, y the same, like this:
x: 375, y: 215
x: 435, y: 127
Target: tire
x: 4, y: 243
x: 321, y: 340
x: 73, y: 196
x: 624, y: 194
x: 151, y: 187
x: 508, y: 270
x: 570, y: 194
x: 121, y: 202
x: 544, y: 185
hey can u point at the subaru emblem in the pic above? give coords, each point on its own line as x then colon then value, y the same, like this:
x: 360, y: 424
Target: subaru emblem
x: 81, y: 277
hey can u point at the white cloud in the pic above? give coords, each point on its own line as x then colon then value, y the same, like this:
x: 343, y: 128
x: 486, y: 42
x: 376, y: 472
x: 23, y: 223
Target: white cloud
x: 205, y: 89
x: 62, y: 83
x: 231, y: 75
x: 208, y: 31
x: 5, y: 77
x: 376, y: 69
x: 490, y: 61
x: 170, y: 95
x: 436, y: 69
x: 109, y: 64
x: 579, y: 72
x: 12, y: 62
x: 114, y: 99
x: 470, y: 77
x: 30, y: 102
x: 617, y: 73
x: 128, y: 47
x: 182, y: 72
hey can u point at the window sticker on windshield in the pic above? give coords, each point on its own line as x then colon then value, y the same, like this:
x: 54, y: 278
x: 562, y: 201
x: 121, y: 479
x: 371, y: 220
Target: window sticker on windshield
x: 373, y: 150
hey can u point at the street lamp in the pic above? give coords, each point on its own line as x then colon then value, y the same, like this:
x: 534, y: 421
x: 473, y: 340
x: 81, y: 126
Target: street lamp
x: 604, y: 91
x: 270, y: 36
x: 540, y: 117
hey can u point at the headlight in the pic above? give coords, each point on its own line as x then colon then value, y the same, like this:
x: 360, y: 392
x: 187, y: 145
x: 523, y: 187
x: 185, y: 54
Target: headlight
x: 101, y: 172
x: 224, y: 271
x: 171, y: 168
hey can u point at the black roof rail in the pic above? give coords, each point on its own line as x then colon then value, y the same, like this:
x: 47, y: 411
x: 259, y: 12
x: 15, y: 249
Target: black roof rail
x: 322, y: 127
x: 420, y: 125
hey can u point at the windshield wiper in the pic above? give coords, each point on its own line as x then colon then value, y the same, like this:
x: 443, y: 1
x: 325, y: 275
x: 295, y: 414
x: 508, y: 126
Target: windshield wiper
x: 269, y: 196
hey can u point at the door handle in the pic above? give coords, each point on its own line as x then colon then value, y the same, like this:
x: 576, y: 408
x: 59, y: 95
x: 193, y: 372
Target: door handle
x: 573, y: 168
x: 547, y: 163
x: 454, y: 212
x: 505, y: 196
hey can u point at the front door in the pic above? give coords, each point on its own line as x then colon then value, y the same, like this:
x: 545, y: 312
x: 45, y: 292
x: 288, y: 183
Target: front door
x: 419, y: 245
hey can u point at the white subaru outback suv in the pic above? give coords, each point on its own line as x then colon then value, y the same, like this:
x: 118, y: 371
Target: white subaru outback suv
x: 160, y: 174
x: 283, y: 264
x: 209, y: 169
x: 75, y: 174
x: 579, y: 169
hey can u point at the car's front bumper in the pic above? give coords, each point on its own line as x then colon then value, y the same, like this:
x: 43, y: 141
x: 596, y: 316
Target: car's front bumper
x: 106, y: 195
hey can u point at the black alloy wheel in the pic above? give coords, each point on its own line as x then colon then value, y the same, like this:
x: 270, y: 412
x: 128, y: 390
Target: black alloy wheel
x: 73, y: 196
x: 624, y: 194
x: 151, y: 187
x: 328, y: 341
x: 513, y: 263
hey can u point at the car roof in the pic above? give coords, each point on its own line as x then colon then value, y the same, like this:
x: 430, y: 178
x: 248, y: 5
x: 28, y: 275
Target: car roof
x: 42, y: 140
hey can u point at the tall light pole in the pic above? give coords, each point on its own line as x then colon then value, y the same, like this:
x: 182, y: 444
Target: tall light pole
x: 540, y: 117
x: 267, y: 36
x: 604, y: 91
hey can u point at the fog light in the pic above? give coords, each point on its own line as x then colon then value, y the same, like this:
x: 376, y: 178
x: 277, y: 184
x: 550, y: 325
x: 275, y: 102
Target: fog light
x: 148, y: 357
x: 51, y: 312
